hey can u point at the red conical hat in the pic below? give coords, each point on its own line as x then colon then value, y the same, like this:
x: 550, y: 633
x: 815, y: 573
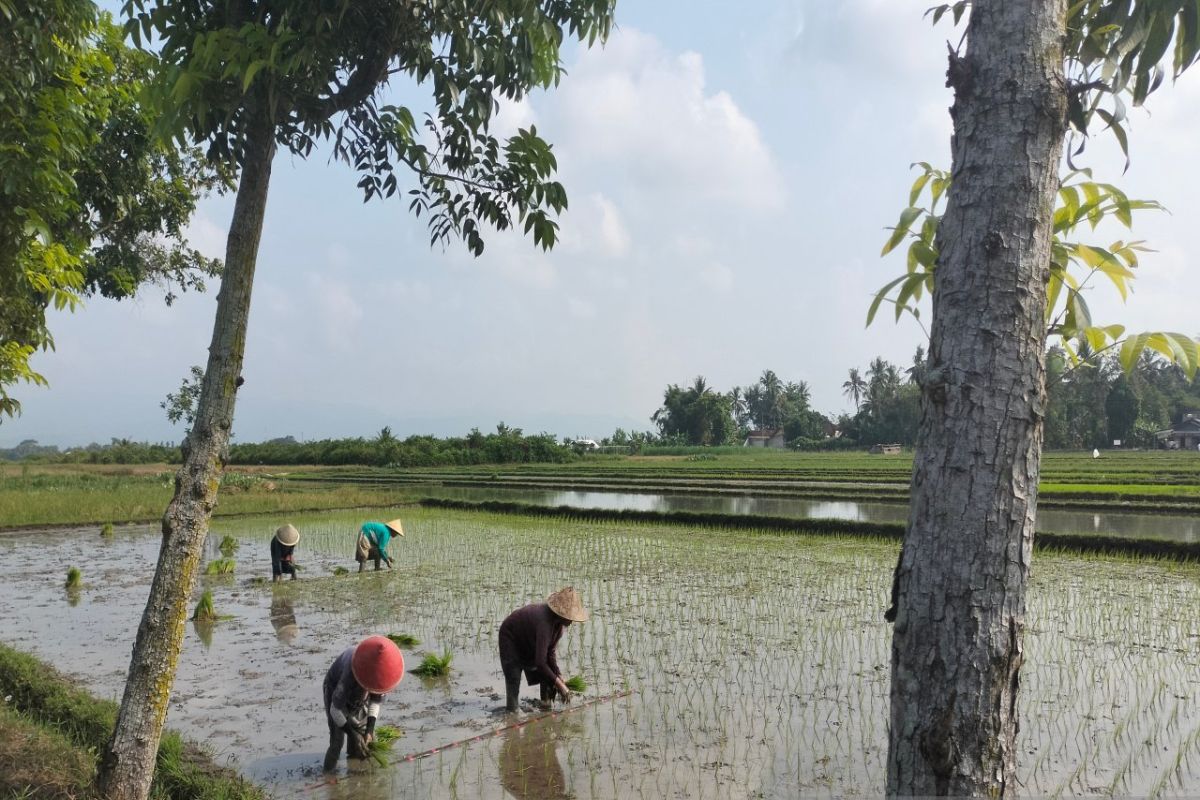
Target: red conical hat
x: 377, y: 664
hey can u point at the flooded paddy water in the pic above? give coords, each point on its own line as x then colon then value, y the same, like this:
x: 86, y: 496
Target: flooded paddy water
x: 757, y: 664
x: 1127, y: 524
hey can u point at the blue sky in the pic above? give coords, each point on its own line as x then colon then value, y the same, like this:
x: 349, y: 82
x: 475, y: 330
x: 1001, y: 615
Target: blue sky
x: 730, y: 176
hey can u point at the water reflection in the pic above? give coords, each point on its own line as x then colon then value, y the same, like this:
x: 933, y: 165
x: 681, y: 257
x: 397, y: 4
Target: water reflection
x: 283, y: 619
x: 1130, y: 525
x: 529, y: 765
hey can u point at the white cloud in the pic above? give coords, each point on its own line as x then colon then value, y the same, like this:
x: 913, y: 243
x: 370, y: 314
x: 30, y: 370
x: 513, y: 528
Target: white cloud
x: 638, y: 108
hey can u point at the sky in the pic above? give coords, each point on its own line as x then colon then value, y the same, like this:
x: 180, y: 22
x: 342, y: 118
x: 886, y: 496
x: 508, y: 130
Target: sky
x: 731, y: 177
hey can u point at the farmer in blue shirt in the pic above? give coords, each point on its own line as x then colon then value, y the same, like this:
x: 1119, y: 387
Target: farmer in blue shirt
x: 373, y: 540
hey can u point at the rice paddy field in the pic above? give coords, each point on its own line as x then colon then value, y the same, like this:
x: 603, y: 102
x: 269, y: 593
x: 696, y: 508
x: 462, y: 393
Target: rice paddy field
x: 1148, y: 480
x: 719, y: 663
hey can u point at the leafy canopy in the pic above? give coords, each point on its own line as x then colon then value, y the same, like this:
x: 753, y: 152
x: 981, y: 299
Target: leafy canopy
x: 89, y: 202
x: 314, y: 68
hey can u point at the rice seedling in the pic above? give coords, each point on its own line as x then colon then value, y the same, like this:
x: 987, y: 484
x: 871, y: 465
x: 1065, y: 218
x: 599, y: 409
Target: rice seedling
x: 340, y: 571
x: 404, y: 639
x: 106, y: 530
x: 576, y: 683
x: 228, y: 546
x: 381, y: 745
x: 433, y: 665
x: 74, y: 578
x: 204, y: 608
x: 220, y: 566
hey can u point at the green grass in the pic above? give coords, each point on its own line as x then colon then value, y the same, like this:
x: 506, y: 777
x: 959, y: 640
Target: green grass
x: 434, y: 666
x: 77, y: 727
x: 69, y: 494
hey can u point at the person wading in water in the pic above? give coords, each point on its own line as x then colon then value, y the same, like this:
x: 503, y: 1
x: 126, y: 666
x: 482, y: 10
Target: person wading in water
x: 373, y: 540
x: 528, y: 640
x: 354, y: 688
x: 283, y: 551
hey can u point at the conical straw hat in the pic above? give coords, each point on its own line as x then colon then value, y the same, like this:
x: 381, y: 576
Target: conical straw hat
x: 567, y: 604
x: 396, y: 526
x: 287, y: 535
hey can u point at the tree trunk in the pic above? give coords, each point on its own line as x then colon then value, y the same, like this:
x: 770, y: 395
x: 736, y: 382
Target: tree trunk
x: 127, y: 765
x: 957, y: 645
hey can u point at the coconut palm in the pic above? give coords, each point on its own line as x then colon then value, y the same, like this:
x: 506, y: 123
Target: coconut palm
x: 855, y: 387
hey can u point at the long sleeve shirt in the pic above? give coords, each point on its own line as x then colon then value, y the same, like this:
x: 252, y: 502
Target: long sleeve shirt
x: 379, y: 535
x: 281, y: 557
x: 346, y: 700
x: 530, y: 635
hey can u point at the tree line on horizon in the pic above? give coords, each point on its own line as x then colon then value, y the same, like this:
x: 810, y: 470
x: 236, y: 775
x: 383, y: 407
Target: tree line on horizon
x: 1092, y: 402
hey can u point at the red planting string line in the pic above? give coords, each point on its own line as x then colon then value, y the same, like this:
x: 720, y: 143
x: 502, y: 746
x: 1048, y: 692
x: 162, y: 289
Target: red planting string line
x: 497, y: 731
x: 513, y: 726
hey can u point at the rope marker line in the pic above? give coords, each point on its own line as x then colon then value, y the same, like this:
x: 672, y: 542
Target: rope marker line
x: 515, y: 725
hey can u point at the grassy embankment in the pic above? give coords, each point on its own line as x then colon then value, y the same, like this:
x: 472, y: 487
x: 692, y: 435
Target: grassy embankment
x: 1141, y: 481
x: 90, y: 494
x: 51, y: 733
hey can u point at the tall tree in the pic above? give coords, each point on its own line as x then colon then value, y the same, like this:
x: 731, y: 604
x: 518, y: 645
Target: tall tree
x: 961, y: 581
x: 247, y: 77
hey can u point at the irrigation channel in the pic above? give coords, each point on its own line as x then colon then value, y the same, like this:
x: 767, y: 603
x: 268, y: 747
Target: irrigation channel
x: 756, y: 664
x: 1175, y: 528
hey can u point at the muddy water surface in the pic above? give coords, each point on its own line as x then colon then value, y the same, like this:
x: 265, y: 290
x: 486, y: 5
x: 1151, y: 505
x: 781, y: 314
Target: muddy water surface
x: 758, y: 664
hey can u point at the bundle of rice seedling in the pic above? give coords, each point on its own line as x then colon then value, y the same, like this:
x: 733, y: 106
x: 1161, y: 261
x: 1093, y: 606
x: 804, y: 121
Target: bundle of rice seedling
x: 404, y: 639
x: 74, y: 578
x: 220, y: 566
x: 107, y: 530
x: 228, y: 546
x: 576, y: 683
x: 340, y: 571
x: 385, y: 736
x: 433, y: 665
x: 204, y: 609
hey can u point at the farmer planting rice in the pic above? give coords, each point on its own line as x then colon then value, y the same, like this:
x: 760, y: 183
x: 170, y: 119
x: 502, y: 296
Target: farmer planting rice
x: 528, y: 640
x: 373, y: 538
x: 354, y: 688
x: 283, y: 547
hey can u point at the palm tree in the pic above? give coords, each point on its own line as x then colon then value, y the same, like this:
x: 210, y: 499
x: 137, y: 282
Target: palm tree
x: 854, y: 387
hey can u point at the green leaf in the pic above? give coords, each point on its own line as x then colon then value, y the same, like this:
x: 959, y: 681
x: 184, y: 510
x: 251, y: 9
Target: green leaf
x: 251, y: 71
x: 907, y: 217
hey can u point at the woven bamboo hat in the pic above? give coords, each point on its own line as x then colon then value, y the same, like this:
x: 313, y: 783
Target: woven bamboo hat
x: 288, y: 536
x: 567, y: 603
x: 396, y: 527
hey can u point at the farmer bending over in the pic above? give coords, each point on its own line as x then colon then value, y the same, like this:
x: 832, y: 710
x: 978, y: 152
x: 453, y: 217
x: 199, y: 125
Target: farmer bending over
x: 354, y: 688
x: 528, y: 639
x: 373, y: 540
x: 283, y: 546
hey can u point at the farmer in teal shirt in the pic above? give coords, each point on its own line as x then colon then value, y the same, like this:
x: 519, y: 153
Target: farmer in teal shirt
x: 373, y: 540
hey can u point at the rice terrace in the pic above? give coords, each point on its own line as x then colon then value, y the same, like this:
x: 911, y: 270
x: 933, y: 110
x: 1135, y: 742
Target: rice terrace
x: 642, y: 399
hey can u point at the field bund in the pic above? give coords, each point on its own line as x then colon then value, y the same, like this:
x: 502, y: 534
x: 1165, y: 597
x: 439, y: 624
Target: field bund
x: 757, y: 661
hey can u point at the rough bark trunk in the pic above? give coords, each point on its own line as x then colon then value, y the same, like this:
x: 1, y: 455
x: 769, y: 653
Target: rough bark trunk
x: 127, y: 765
x: 957, y: 645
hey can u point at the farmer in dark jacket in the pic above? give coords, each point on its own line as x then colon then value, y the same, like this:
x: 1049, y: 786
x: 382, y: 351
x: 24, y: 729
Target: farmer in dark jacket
x: 354, y: 688
x: 283, y: 546
x: 528, y: 640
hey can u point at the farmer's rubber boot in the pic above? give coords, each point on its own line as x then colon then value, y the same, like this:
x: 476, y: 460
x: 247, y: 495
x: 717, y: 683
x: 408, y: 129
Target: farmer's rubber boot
x: 512, y: 685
